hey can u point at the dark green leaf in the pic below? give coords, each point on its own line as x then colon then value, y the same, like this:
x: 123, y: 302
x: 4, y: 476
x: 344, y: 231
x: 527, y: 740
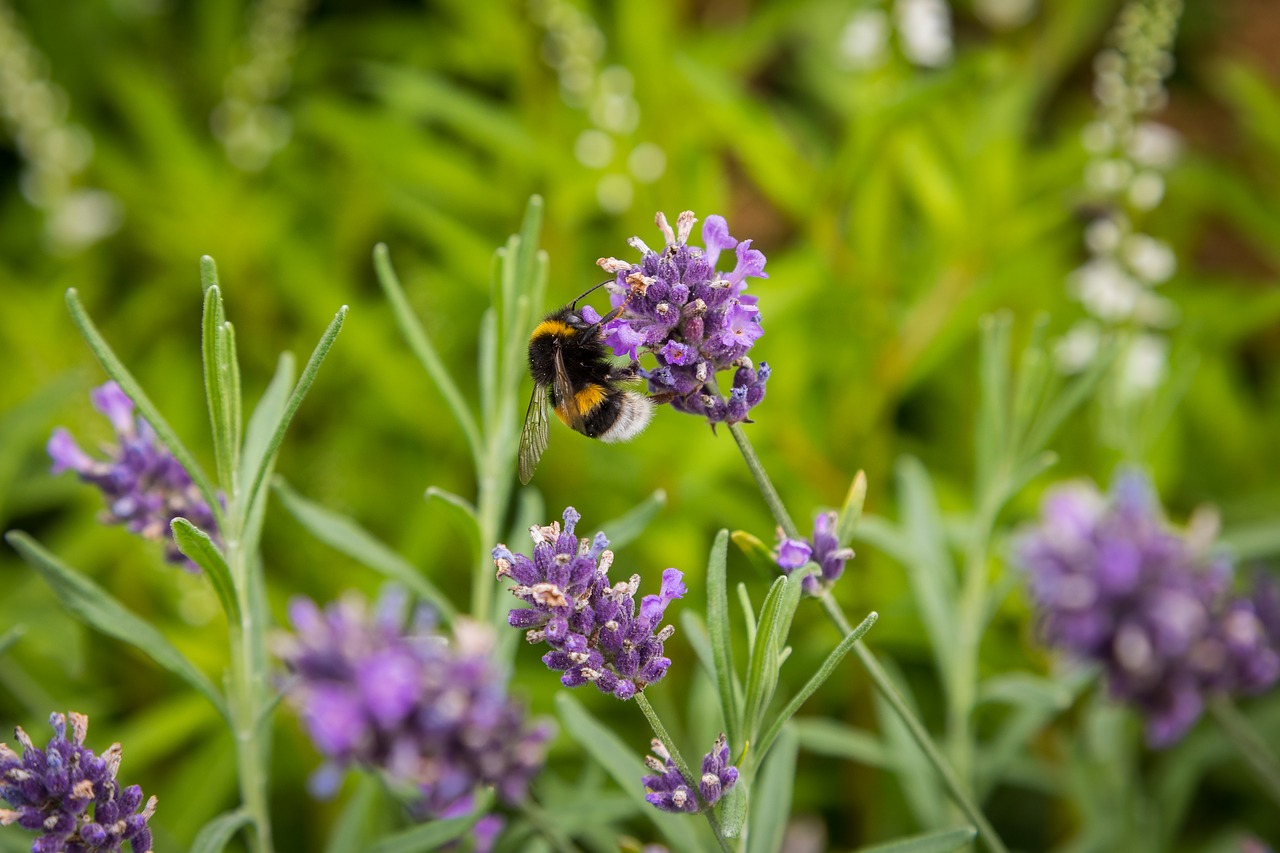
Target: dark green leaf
x: 932, y: 842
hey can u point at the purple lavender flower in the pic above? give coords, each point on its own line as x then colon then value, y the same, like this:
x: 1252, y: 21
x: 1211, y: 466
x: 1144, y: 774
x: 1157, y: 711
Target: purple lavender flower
x: 823, y: 548
x: 593, y: 628
x: 1115, y: 584
x: 694, y: 320
x: 670, y: 791
x: 426, y: 710
x: 53, y: 789
x: 145, y: 487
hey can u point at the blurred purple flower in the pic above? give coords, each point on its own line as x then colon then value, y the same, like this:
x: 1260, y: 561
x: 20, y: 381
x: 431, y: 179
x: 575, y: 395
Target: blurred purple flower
x: 695, y: 321
x: 823, y: 548
x: 593, y: 628
x: 670, y: 791
x: 53, y: 790
x: 145, y: 487
x: 1116, y: 585
x: 428, y: 710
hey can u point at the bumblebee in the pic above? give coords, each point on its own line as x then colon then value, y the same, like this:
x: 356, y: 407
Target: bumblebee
x: 571, y: 364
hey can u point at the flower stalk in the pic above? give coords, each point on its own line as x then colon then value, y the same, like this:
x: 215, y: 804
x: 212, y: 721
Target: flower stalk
x: 879, y: 677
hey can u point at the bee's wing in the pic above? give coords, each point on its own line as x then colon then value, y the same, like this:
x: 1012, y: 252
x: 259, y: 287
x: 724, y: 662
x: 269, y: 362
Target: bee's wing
x: 566, y: 401
x: 533, y: 437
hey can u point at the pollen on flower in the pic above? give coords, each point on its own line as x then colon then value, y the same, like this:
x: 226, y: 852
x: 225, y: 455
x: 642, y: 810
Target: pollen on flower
x: 594, y: 630
x: 696, y: 321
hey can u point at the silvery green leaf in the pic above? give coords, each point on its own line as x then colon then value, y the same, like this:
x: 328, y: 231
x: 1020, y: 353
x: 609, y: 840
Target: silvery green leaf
x: 434, y: 834
x: 196, y: 545
x: 828, y: 737
x: 720, y: 628
x: 945, y: 841
x: 214, y: 835
x: 771, y: 795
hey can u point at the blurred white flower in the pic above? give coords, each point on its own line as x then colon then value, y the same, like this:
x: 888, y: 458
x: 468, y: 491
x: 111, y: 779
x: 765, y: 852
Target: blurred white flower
x: 1146, y: 190
x: 864, y: 42
x: 1154, y: 145
x: 1106, y: 290
x: 594, y: 149
x: 646, y: 162
x: 924, y: 27
x: 1144, y: 364
x: 1150, y: 259
x: 1078, y: 347
x: 83, y: 217
x: 1103, y: 235
x: 1004, y: 14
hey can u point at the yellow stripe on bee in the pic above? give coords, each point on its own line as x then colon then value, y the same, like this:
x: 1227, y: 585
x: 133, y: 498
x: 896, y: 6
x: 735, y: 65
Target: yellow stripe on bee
x: 553, y: 327
x: 589, y: 398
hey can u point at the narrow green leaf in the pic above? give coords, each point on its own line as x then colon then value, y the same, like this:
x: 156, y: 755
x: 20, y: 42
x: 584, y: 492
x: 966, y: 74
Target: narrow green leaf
x: 993, y: 420
x: 266, y: 415
x: 1067, y: 401
x: 117, y: 371
x: 214, y: 836
x: 695, y: 632
x: 930, y: 570
x: 787, y: 608
x: 811, y: 686
x: 291, y: 407
x: 208, y: 273
x: 487, y: 366
x: 624, y: 767
x: 758, y: 554
x: 919, y: 783
x: 1032, y: 380
x: 422, y: 347
x: 932, y: 842
x: 463, y: 510
x: 229, y: 368
x: 851, y: 512
x: 214, y: 389
x: 762, y: 671
x: 748, y: 613
x: 343, y: 534
x: 196, y: 545
x: 94, y: 606
x: 827, y: 737
x: 719, y: 624
x: 771, y: 796
x: 8, y: 638
x: 351, y: 826
x: 733, y: 810
x: 434, y: 834
x: 627, y: 527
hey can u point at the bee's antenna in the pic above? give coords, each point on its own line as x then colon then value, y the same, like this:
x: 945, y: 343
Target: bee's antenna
x: 593, y: 289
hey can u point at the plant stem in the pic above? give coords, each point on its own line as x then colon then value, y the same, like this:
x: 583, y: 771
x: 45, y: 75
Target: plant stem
x: 1253, y: 748
x: 881, y: 680
x: 878, y: 676
x: 678, y: 759
x: 246, y: 688
x: 762, y: 480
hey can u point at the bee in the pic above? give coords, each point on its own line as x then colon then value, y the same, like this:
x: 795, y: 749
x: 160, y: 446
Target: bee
x: 571, y: 364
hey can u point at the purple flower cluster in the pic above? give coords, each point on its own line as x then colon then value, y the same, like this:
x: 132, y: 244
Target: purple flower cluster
x: 669, y: 791
x: 1115, y: 584
x: 144, y: 485
x: 695, y: 321
x: 429, y: 712
x: 823, y: 548
x: 52, y: 789
x: 593, y: 628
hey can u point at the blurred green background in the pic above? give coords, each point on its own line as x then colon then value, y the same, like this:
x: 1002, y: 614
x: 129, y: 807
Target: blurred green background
x: 897, y: 204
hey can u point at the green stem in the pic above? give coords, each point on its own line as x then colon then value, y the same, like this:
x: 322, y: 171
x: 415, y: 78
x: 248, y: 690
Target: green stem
x: 661, y: 732
x: 881, y: 680
x: 1253, y: 748
x: 246, y: 688
x: 878, y: 676
x: 762, y: 480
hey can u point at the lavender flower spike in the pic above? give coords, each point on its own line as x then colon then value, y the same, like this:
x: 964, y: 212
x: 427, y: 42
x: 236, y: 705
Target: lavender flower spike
x: 145, y: 487
x: 823, y: 548
x: 592, y: 627
x: 669, y: 791
x: 694, y: 320
x: 427, y: 710
x: 70, y: 796
x: 1116, y: 585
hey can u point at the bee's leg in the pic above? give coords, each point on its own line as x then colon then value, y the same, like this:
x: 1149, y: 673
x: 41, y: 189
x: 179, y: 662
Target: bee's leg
x: 664, y: 397
x: 626, y: 374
